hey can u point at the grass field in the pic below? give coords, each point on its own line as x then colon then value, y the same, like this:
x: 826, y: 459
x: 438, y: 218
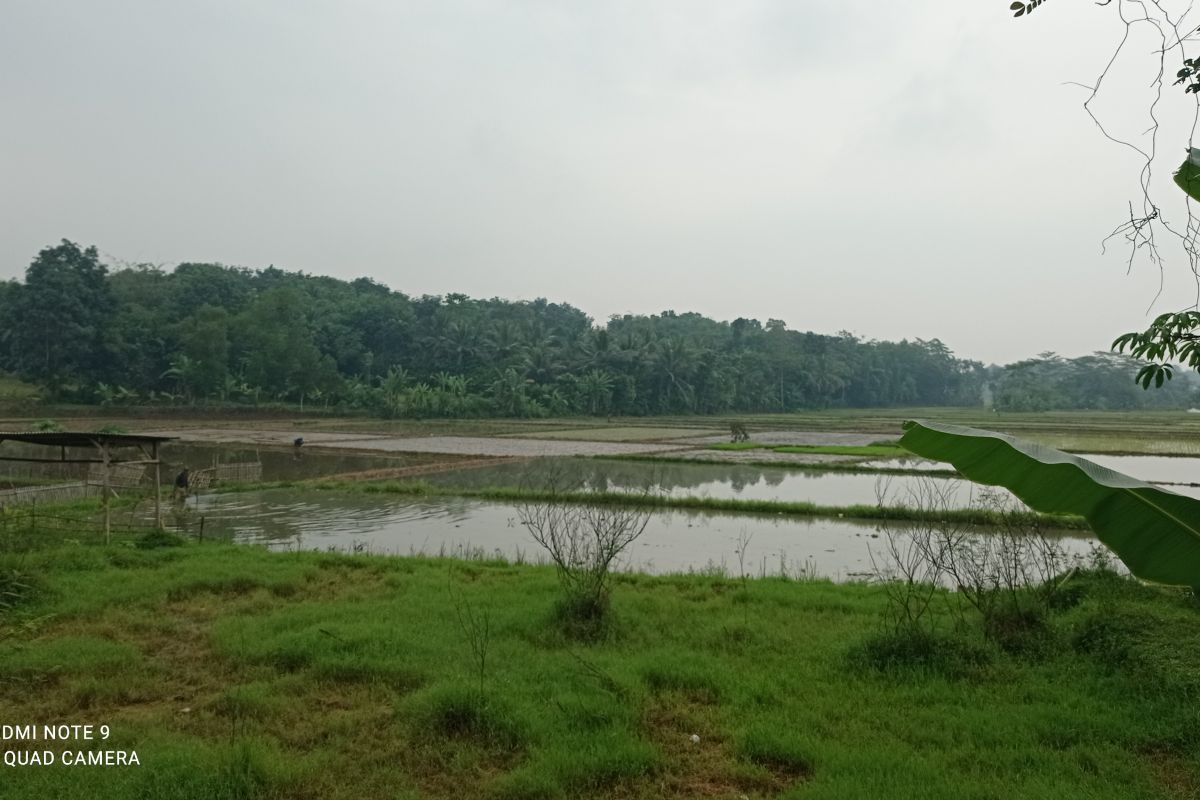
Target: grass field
x: 238, y: 673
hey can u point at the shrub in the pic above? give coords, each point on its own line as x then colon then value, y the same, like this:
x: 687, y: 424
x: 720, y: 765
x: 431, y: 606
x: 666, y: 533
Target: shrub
x: 583, y: 542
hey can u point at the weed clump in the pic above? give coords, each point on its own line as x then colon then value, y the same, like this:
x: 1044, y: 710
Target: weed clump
x: 17, y: 587
x: 776, y: 751
x: 152, y: 540
x: 698, y: 682
x: 915, y: 650
x: 1020, y: 632
x: 459, y: 712
x: 1107, y: 637
x: 601, y: 762
x: 583, y: 618
x: 525, y: 784
x: 235, y: 585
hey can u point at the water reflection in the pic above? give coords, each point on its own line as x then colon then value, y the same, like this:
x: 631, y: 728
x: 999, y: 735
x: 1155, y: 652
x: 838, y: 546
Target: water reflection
x: 278, y: 463
x: 722, y: 481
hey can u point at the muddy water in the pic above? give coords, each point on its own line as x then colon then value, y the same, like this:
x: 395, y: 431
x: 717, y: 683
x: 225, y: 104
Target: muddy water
x: 278, y: 463
x: 281, y: 464
x: 674, y: 541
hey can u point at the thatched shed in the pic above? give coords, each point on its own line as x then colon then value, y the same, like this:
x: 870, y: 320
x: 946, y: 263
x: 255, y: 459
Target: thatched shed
x: 111, y: 457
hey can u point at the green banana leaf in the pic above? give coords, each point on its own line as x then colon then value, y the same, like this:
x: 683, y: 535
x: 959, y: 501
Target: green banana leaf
x: 1187, y: 177
x: 1155, y: 532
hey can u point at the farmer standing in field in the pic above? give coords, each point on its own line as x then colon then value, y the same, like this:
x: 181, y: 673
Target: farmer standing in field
x: 181, y: 486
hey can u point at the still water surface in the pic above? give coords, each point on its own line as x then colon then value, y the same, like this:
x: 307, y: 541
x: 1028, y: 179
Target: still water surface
x: 674, y: 541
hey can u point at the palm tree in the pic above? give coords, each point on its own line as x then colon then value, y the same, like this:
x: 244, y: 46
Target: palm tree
x: 595, y: 386
x: 393, y: 382
x: 504, y: 342
x: 460, y: 343
x: 540, y: 361
x: 509, y: 393
x: 676, y: 362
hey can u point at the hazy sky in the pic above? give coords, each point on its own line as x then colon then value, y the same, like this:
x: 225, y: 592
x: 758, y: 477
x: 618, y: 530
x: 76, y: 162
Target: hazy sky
x: 914, y: 169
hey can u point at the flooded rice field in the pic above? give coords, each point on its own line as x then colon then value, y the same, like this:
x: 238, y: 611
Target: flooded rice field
x: 1176, y: 472
x: 278, y: 463
x: 284, y: 464
x: 674, y: 541
x: 720, y: 481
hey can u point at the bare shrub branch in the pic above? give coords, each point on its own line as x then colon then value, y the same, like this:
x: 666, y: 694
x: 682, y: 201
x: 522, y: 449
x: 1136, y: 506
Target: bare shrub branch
x: 584, y: 542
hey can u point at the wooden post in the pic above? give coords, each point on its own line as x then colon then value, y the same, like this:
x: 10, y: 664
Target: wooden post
x: 107, y: 507
x: 157, y: 488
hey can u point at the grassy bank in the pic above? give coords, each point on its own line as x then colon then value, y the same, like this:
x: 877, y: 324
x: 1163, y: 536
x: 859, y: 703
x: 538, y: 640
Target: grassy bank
x: 879, y: 450
x: 850, y: 467
x: 238, y: 673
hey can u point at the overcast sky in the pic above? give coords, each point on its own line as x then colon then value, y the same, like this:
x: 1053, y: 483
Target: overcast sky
x: 897, y: 170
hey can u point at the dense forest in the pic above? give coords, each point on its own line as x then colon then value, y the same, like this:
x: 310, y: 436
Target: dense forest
x: 216, y: 334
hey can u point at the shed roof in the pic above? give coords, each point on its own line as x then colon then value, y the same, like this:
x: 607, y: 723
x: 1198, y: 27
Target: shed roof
x: 81, y: 438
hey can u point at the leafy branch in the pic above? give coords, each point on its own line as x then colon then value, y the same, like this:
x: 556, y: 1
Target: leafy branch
x: 1172, y: 337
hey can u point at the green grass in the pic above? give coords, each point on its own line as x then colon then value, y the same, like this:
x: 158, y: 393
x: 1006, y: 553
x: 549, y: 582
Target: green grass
x: 239, y: 673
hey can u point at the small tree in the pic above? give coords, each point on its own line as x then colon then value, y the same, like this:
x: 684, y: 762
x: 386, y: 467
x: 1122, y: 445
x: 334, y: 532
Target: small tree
x: 584, y: 542
x: 60, y: 318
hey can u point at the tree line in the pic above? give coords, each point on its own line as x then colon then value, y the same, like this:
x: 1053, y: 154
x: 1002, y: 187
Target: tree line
x: 211, y: 333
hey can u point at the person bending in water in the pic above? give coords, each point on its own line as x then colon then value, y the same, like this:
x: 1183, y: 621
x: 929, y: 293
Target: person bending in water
x: 181, y: 485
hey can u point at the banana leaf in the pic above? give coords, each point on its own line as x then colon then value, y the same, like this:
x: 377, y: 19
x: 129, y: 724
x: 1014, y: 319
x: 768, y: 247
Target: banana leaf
x: 1155, y: 532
